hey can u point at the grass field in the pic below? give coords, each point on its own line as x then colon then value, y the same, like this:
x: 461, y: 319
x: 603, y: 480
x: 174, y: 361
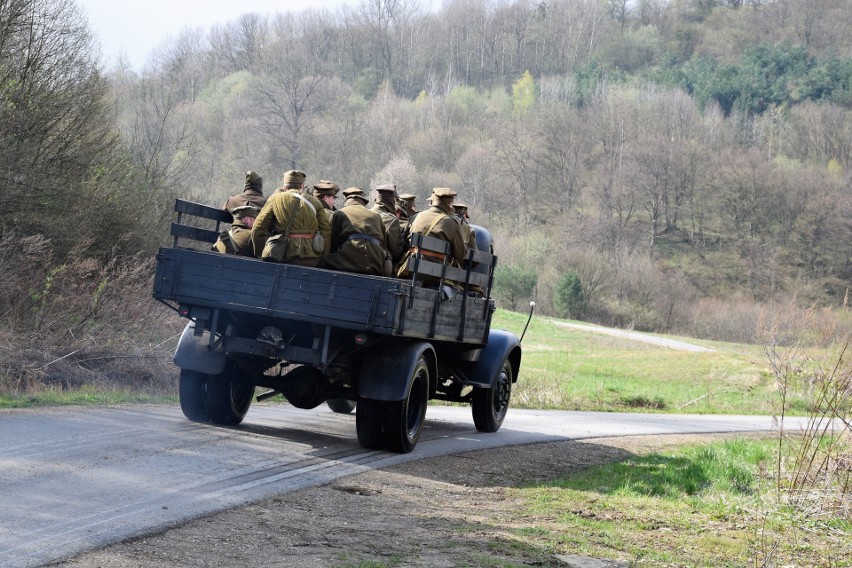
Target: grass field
x: 578, y: 370
x: 707, y: 505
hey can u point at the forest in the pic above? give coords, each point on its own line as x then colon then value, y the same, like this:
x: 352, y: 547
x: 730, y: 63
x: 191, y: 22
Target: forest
x: 666, y: 165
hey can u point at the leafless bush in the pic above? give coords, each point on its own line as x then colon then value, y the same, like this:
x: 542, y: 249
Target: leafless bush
x: 82, y: 321
x: 814, y: 465
x: 725, y: 320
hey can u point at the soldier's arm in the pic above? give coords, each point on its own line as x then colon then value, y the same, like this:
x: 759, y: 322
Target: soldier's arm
x: 261, y: 227
x: 323, y: 225
x: 458, y: 248
x: 395, y: 240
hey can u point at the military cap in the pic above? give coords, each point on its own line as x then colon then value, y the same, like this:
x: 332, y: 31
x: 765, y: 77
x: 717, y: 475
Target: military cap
x: 294, y: 176
x: 459, y: 207
x: 387, y: 188
x: 326, y: 187
x: 245, y: 211
x: 355, y: 193
x: 254, y: 180
x: 443, y: 192
x: 350, y: 191
x: 407, y: 197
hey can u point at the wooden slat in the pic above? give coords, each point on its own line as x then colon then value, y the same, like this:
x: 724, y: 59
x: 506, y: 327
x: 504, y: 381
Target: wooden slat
x: 430, y: 243
x: 194, y: 233
x: 201, y: 210
x: 434, y: 269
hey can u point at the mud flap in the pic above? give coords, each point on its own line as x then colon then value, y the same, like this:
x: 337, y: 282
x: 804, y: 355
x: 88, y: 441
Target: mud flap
x: 385, y: 375
x: 501, y: 345
x: 193, y: 354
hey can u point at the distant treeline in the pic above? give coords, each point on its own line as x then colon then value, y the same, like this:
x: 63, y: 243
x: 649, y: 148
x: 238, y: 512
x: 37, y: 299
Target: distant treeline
x: 678, y: 163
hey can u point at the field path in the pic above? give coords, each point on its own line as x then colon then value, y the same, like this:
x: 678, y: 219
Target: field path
x: 637, y: 336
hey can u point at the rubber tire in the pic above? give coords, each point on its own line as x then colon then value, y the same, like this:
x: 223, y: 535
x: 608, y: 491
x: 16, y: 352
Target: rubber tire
x: 341, y: 405
x: 228, y: 401
x: 402, y: 421
x: 368, y: 423
x: 192, y: 389
x: 489, y: 405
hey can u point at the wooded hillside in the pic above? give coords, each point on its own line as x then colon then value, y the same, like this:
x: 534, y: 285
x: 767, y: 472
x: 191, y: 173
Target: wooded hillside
x: 665, y: 165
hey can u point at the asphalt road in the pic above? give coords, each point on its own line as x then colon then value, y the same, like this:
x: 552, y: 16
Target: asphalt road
x: 81, y: 478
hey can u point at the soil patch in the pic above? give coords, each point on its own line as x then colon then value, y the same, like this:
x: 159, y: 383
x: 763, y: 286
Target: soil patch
x: 442, y: 512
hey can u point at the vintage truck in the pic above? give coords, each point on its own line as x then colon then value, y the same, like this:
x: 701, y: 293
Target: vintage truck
x: 381, y: 346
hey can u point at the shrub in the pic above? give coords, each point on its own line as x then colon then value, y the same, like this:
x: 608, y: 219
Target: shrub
x: 569, y: 297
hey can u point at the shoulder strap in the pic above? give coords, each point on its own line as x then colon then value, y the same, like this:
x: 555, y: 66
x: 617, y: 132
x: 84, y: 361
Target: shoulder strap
x: 435, y: 222
x: 308, y: 203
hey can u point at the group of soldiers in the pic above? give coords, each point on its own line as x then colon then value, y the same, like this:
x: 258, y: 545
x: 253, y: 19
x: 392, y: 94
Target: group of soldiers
x: 299, y: 225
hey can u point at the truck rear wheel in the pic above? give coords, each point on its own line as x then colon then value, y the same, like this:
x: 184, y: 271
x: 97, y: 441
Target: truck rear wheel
x: 368, y: 423
x: 489, y: 405
x: 192, y: 388
x: 227, y: 400
x: 402, y: 421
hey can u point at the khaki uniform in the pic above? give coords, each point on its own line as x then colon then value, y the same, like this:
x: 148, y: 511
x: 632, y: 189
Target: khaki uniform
x: 273, y: 220
x: 237, y: 239
x: 248, y: 197
x: 394, y: 240
x: 444, y: 225
x: 358, y: 240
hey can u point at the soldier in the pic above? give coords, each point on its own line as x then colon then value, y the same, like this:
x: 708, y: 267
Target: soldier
x: 405, y: 209
x: 438, y: 221
x: 244, y: 208
x: 385, y: 206
x: 326, y: 192
x: 467, y: 231
x: 294, y: 220
x: 358, y: 238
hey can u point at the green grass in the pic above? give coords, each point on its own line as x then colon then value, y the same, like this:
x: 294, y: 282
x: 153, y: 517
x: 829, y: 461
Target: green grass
x: 707, y: 505
x: 577, y: 370
x: 86, y: 394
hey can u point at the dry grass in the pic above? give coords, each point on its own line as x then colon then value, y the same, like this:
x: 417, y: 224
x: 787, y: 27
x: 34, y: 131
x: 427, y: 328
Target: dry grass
x: 812, y: 474
x: 83, y: 321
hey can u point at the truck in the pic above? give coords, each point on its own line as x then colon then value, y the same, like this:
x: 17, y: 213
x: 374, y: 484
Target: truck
x: 380, y: 347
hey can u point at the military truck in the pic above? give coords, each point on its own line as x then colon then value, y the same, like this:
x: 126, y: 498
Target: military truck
x: 382, y: 347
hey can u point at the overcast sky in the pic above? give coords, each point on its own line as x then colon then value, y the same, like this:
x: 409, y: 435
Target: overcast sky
x: 137, y: 27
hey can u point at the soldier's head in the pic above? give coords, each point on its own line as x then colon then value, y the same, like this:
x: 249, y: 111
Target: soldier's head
x: 406, y: 202
x: 442, y: 196
x: 245, y: 215
x: 326, y: 192
x: 461, y: 210
x: 355, y: 194
x: 387, y: 193
x: 254, y: 181
x: 294, y: 179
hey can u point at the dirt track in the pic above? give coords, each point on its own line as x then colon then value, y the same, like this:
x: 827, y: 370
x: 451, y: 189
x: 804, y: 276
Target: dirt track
x: 449, y: 511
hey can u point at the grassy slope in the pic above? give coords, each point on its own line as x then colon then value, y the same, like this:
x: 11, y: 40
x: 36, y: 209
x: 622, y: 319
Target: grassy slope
x: 577, y: 370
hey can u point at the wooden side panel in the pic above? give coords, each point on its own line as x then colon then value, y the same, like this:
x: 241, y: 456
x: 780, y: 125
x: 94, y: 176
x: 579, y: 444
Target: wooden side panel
x: 350, y: 301
x: 449, y: 323
x: 277, y: 290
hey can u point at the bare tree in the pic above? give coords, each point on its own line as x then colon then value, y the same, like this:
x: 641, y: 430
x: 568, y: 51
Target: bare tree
x: 164, y: 141
x: 290, y: 92
x: 55, y: 123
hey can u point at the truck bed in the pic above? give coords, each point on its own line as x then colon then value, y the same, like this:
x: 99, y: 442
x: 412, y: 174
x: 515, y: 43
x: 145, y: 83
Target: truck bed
x: 357, y: 302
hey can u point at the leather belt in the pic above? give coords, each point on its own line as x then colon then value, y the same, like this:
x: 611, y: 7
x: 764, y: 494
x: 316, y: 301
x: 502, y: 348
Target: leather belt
x: 301, y: 235
x: 416, y: 250
x: 363, y: 237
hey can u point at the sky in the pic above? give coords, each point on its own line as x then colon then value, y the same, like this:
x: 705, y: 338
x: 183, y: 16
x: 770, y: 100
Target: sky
x: 137, y: 27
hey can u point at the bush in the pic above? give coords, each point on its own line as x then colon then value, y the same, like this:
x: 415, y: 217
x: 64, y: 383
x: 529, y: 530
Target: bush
x: 514, y: 284
x: 569, y: 297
